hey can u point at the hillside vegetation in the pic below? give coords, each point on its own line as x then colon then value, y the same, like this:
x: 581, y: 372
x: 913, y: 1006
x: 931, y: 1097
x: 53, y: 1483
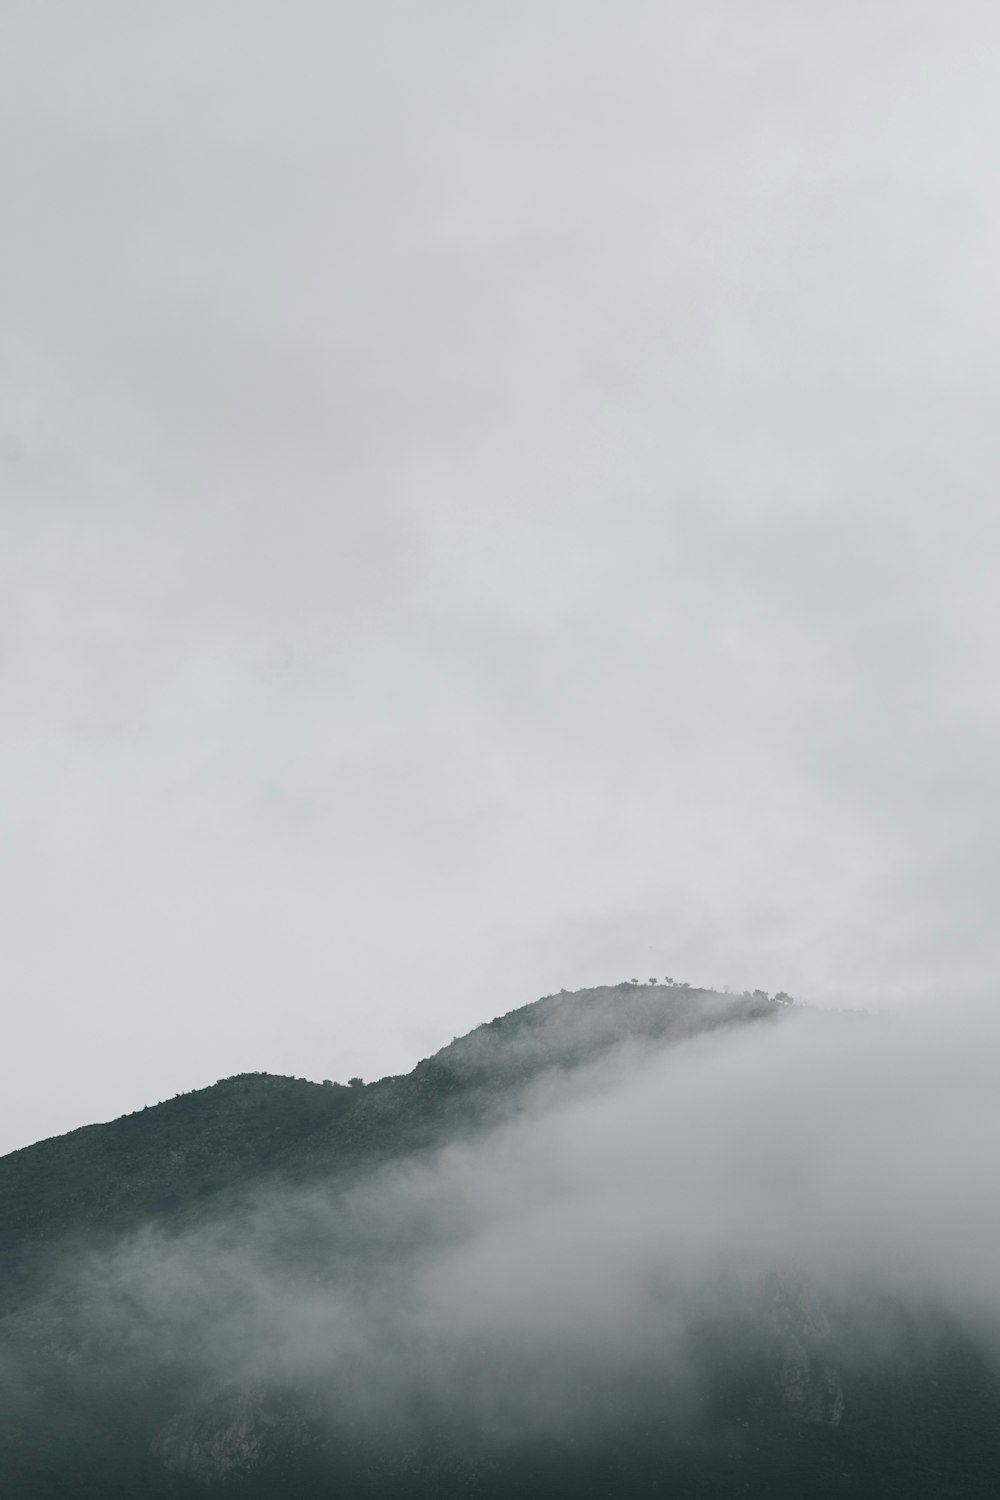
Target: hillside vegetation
x: 153, y: 1266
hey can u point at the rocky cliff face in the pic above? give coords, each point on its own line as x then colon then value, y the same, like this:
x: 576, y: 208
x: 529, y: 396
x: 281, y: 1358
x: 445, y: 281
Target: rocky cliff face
x: 229, y: 1434
x: 810, y: 1386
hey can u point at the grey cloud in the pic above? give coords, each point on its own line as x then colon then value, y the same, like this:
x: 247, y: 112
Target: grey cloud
x: 487, y: 503
x: 517, y: 1279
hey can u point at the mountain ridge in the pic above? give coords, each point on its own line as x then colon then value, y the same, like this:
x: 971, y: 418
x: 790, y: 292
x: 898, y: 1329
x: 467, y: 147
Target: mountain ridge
x: 113, y: 1173
x: 136, y: 1251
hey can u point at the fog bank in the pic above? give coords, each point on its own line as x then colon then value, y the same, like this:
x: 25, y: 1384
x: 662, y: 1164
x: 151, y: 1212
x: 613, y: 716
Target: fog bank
x: 793, y: 1176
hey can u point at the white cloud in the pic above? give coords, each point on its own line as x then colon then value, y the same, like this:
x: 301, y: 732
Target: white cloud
x: 486, y: 504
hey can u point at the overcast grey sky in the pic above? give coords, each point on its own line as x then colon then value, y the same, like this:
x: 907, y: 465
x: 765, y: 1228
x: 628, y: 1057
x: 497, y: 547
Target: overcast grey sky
x: 491, y: 498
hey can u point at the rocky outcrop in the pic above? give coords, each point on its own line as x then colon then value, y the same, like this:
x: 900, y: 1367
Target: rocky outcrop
x: 809, y: 1386
x: 228, y: 1432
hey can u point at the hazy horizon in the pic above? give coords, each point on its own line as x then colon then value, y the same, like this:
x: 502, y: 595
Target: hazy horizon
x: 489, y: 502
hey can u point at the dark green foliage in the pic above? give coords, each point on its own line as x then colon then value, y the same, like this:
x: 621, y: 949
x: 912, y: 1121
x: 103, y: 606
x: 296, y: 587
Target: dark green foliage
x: 93, y: 1184
x: 175, y: 1158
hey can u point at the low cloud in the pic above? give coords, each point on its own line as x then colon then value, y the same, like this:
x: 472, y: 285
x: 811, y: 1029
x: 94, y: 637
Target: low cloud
x: 522, y: 1280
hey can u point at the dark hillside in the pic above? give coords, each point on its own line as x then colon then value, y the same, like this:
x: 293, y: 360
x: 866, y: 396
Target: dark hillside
x: 174, y: 1159
x: 101, y: 1400
x: 102, y: 1180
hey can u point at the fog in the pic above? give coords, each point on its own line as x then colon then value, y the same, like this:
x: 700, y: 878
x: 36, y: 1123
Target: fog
x: 488, y: 501
x: 802, y: 1174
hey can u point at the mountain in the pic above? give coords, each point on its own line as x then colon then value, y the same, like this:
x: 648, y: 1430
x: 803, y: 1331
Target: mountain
x: 508, y: 1271
x: 183, y: 1157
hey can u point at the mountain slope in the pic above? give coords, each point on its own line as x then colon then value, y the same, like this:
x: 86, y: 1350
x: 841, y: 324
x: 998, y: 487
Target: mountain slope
x: 177, y: 1157
x: 272, y: 1287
